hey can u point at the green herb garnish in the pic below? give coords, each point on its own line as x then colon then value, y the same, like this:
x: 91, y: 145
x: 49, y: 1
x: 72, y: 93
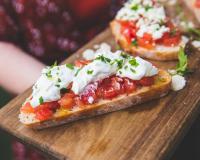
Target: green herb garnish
x: 64, y: 90
x: 195, y: 32
x: 181, y: 67
x: 173, y: 32
x: 89, y: 71
x: 124, y: 55
x: 59, y: 80
x: 77, y: 72
x: 134, y: 42
x: 132, y: 70
x: 70, y: 66
x: 133, y: 62
x: 103, y: 59
x: 57, y: 85
x: 148, y: 7
x: 126, y: 67
x: 134, y: 7
x: 48, y: 74
x: 41, y: 100
x: 119, y: 63
x: 54, y: 64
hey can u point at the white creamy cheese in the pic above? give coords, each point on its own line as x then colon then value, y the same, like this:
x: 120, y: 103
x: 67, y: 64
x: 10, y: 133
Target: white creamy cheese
x: 149, y: 17
x: 52, y: 80
x: 88, y: 54
x: 137, y: 68
x: 196, y: 44
x: 178, y: 82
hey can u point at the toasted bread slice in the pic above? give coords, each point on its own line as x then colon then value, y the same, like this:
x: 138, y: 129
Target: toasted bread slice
x: 160, y: 52
x: 160, y: 88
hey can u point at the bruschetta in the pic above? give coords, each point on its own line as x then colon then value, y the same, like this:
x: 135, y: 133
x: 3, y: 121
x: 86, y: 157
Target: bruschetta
x: 104, y: 82
x: 142, y: 28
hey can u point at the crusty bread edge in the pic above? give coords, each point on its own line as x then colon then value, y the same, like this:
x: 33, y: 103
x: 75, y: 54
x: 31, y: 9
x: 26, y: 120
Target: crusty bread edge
x: 144, y: 94
x: 142, y: 52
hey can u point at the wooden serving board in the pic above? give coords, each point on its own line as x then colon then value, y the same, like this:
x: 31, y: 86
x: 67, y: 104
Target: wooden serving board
x: 144, y: 132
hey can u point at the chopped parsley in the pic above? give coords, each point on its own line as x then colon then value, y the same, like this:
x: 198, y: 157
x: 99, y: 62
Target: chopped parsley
x: 134, y: 42
x: 148, y: 7
x: 54, y: 64
x: 181, y: 67
x: 120, y: 72
x: 77, y: 72
x: 64, y: 90
x: 59, y: 80
x: 57, y: 85
x: 126, y: 67
x: 48, y: 74
x: 173, y: 32
x: 124, y: 55
x: 132, y: 70
x: 103, y: 59
x: 134, y: 7
x: 89, y: 71
x: 70, y: 66
x: 119, y: 63
x: 133, y: 62
x: 41, y: 100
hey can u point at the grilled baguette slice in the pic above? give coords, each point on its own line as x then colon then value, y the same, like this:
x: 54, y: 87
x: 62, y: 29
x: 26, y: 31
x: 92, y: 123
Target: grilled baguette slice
x: 160, y: 52
x: 160, y: 88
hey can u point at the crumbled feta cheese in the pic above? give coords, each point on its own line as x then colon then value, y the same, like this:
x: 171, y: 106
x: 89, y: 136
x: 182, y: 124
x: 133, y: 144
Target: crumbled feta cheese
x: 184, y: 39
x: 178, y: 82
x: 148, y: 17
x: 88, y: 54
x: 90, y: 100
x: 196, y: 44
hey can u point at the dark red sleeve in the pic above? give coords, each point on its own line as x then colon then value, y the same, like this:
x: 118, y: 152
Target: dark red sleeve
x: 8, y: 28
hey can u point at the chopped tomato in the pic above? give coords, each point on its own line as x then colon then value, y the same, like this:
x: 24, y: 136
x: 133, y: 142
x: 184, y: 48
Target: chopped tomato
x: 128, y: 30
x: 27, y: 108
x: 169, y: 39
x: 197, y: 3
x: 44, y: 114
x: 146, y: 41
x: 109, y: 93
x: 129, y: 85
x: 89, y: 95
x: 67, y: 101
x: 81, y: 63
x: 146, y: 81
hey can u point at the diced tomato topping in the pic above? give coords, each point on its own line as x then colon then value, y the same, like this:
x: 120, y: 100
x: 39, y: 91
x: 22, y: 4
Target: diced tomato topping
x: 67, y: 101
x: 44, y: 114
x: 89, y: 95
x: 27, y: 108
x: 81, y: 63
x: 197, y: 3
x: 46, y: 110
x: 146, y: 81
x: 129, y: 85
x: 128, y: 29
x: 146, y: 41
x: 171, y: 38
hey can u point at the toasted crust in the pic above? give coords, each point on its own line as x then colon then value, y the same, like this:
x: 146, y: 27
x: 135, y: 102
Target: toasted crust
x: 160, y: 52
x: 160, y: 88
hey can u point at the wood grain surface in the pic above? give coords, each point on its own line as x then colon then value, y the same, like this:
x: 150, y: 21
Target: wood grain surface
x: 145, y: 132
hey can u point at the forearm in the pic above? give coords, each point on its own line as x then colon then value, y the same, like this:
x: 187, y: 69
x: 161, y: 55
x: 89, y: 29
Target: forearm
x: 18, y: 71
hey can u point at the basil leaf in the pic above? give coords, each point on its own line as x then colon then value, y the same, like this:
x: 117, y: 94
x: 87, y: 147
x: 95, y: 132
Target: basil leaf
x: 181, y: 67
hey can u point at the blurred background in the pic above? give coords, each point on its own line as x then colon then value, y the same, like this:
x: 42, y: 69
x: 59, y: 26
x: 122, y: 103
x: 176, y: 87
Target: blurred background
x: 50, y: 30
